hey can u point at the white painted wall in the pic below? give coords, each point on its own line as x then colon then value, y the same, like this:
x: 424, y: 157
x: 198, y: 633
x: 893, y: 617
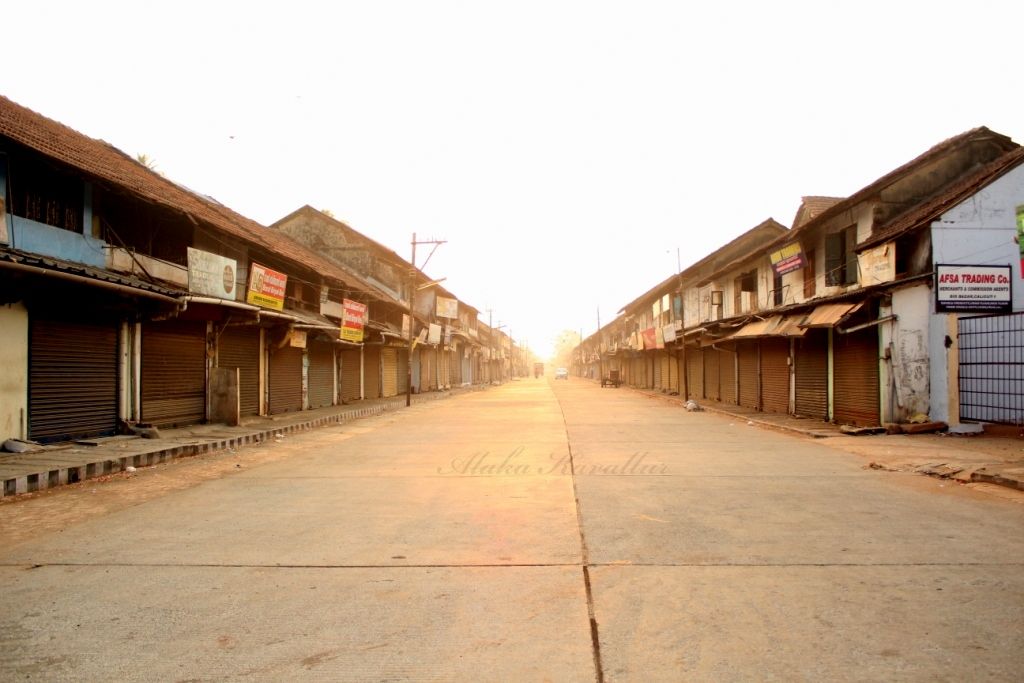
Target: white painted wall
x: 14, y: 378
x: 981, y: 230
x: 908, y: 343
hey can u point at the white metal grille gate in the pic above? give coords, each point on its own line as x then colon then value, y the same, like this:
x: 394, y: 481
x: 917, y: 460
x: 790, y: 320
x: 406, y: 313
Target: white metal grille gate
x: 992, y: 368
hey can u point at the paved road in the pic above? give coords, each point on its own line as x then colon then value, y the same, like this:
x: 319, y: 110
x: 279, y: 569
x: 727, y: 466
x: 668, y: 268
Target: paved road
x: 536, y: 531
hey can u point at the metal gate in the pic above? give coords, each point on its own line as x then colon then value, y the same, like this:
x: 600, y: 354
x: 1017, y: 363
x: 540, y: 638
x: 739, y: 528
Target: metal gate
x: 991, y: 372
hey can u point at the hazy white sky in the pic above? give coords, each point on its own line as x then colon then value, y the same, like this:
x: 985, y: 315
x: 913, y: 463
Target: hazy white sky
x: 564, y: 149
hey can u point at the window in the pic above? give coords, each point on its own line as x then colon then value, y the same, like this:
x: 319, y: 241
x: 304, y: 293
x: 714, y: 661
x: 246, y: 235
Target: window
x: 745, y: 292
x: 840, y: 259
x: 776, y: 289
x: 810, y: 281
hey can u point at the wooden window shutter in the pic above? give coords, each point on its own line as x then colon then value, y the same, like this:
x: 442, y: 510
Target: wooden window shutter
x: 834, y: 259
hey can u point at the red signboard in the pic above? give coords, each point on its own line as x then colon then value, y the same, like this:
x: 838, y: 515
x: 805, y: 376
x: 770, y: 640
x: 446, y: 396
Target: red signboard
x: 353, y: 319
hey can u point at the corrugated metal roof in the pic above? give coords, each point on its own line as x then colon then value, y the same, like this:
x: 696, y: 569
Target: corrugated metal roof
x: 830, y: 315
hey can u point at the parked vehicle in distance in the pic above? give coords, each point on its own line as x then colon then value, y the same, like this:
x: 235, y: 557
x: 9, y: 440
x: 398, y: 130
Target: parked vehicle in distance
x: 561, y: 373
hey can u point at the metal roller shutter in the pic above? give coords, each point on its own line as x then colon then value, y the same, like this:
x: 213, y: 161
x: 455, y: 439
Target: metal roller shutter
x: 285, y: 380
x: 712, y: 378
x: 239, y: 347
x: 657, y: 371
x: 775, y: 375
x: 666, y: 372
x: 812, y: 374
x: 350, y: 375
x: 856, y: 377
x: 673, y: 374
x: 73, y: 380
x: 427, y: 361
x: 747, y: 352
x: 173, y: 372
x: 321, y: 374
x: 371, y: 371
x: 403, y: 371
x: 727, y: 375
x: 389, y: 363
x: 695, y: 371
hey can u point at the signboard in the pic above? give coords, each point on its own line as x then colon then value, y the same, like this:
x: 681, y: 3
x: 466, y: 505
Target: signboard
x: 787, y: 259
x: 877, y: 265
x: 447, y: 308
x: 211, y: 274
x: 669, y: 333
x: 434, y: 334
x: 659, y: 338
x: 406, y: 325
x: 266, y: 287
x: 650, y: 338
x: 353, y: 319
x: 1020, y: 236
x: 447, y: 335
x: 297, y: 339
x: 973, y: 288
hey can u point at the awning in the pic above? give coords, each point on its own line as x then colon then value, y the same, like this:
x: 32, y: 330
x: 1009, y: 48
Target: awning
x: 774, y: 326
x: 830, y: 315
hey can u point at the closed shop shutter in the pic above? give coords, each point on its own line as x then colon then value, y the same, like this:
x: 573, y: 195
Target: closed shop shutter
x: 856, y: 377
x: 321, y: 374
x: 428, y: 359
x: 695, y: 371
x: 173, y: 372
x: 239, y: 347
x: 73, y: 380
x: 371, y: 371
x: 727, y: 373
x: 389, y: 363
x: 350, y: 375
x: 673, y: 374
x: 657, y: 371
x: 712, y: 386
x: 403, y: 371
x: 666, y: 372
x: 747, y: 353
x: 812, y: 374
x: 285, y: 380
x: 775, y: 375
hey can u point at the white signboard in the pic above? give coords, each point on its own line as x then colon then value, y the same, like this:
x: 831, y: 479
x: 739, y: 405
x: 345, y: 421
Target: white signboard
x: 447, y: 308
x: 973, y: 288
x: 434, y: 334
x: 211, y: 274
x: 877, y: 265
x: 669, y: 333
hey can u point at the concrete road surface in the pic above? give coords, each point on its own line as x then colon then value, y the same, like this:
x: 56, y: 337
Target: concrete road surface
x: 535, y: 531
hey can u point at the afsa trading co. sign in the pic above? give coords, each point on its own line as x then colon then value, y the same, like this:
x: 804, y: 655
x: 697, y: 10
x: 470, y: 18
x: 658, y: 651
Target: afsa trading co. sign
x: 973, y: 288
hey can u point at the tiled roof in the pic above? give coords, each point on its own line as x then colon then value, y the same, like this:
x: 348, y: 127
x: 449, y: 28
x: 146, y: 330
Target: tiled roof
x: 935, y: 152
x: 810, y: 207
x: 925, y: 213
x: 104, y: 162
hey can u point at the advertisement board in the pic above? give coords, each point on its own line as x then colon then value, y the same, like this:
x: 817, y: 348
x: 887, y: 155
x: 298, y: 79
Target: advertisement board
x: 211, y: 274
x: 973, y: 288
x: 787, y: 258
x: 447, y: 308
x: 353, y: 319
x: 266, y: 287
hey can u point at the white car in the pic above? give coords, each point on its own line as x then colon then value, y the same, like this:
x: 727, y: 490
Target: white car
x: 561, y: 373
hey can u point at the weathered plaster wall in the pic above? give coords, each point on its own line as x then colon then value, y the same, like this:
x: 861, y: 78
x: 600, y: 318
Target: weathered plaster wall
x: 14, y: 378
x: 906, y: 342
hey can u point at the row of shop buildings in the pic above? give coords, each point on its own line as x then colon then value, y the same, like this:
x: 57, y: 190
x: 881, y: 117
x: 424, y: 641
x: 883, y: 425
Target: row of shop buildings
x: 130, y: 299
x: 904, y: 299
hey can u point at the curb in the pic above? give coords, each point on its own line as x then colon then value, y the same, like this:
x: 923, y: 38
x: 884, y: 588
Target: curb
x: 46, y: 478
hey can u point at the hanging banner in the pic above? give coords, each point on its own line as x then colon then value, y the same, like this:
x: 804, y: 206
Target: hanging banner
x: 659, y: 338
x: 434, y: 334
x: 669, y: 333
x: 211, y: 274
x: 447, y: 308
x: 266, y: 287
x: 650, y: 338
x: 973, y: 288
x: 787, y: 259
x: 353, y: 319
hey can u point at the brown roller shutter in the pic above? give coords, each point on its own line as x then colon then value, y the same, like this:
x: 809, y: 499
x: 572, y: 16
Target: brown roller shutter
x: 371, y: 371
x: 173, y: 372
x: 727, y: 375
x: 747, y: 352
x: 428, y: 382
x: 321, y: 374
x: 712, y: 378
x: 666, y: 372
x: 775, y: 375
x: 673, y: 374
x: 389, y: 364
x: 695, y: 371
x: 812, y: 374
x: 657, y: 371
x: 285, y: 380
x: 403, y: 371
x: 350, y: 375
x: 856, y: 377
x: 239, y: 347
x: 73, y: 380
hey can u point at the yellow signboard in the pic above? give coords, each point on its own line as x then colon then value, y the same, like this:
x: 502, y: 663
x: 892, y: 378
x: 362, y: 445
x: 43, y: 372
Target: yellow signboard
x: 266, y: 287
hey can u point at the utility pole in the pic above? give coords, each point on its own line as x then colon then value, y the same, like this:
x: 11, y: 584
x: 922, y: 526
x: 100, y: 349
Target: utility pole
x: 412, y: 319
